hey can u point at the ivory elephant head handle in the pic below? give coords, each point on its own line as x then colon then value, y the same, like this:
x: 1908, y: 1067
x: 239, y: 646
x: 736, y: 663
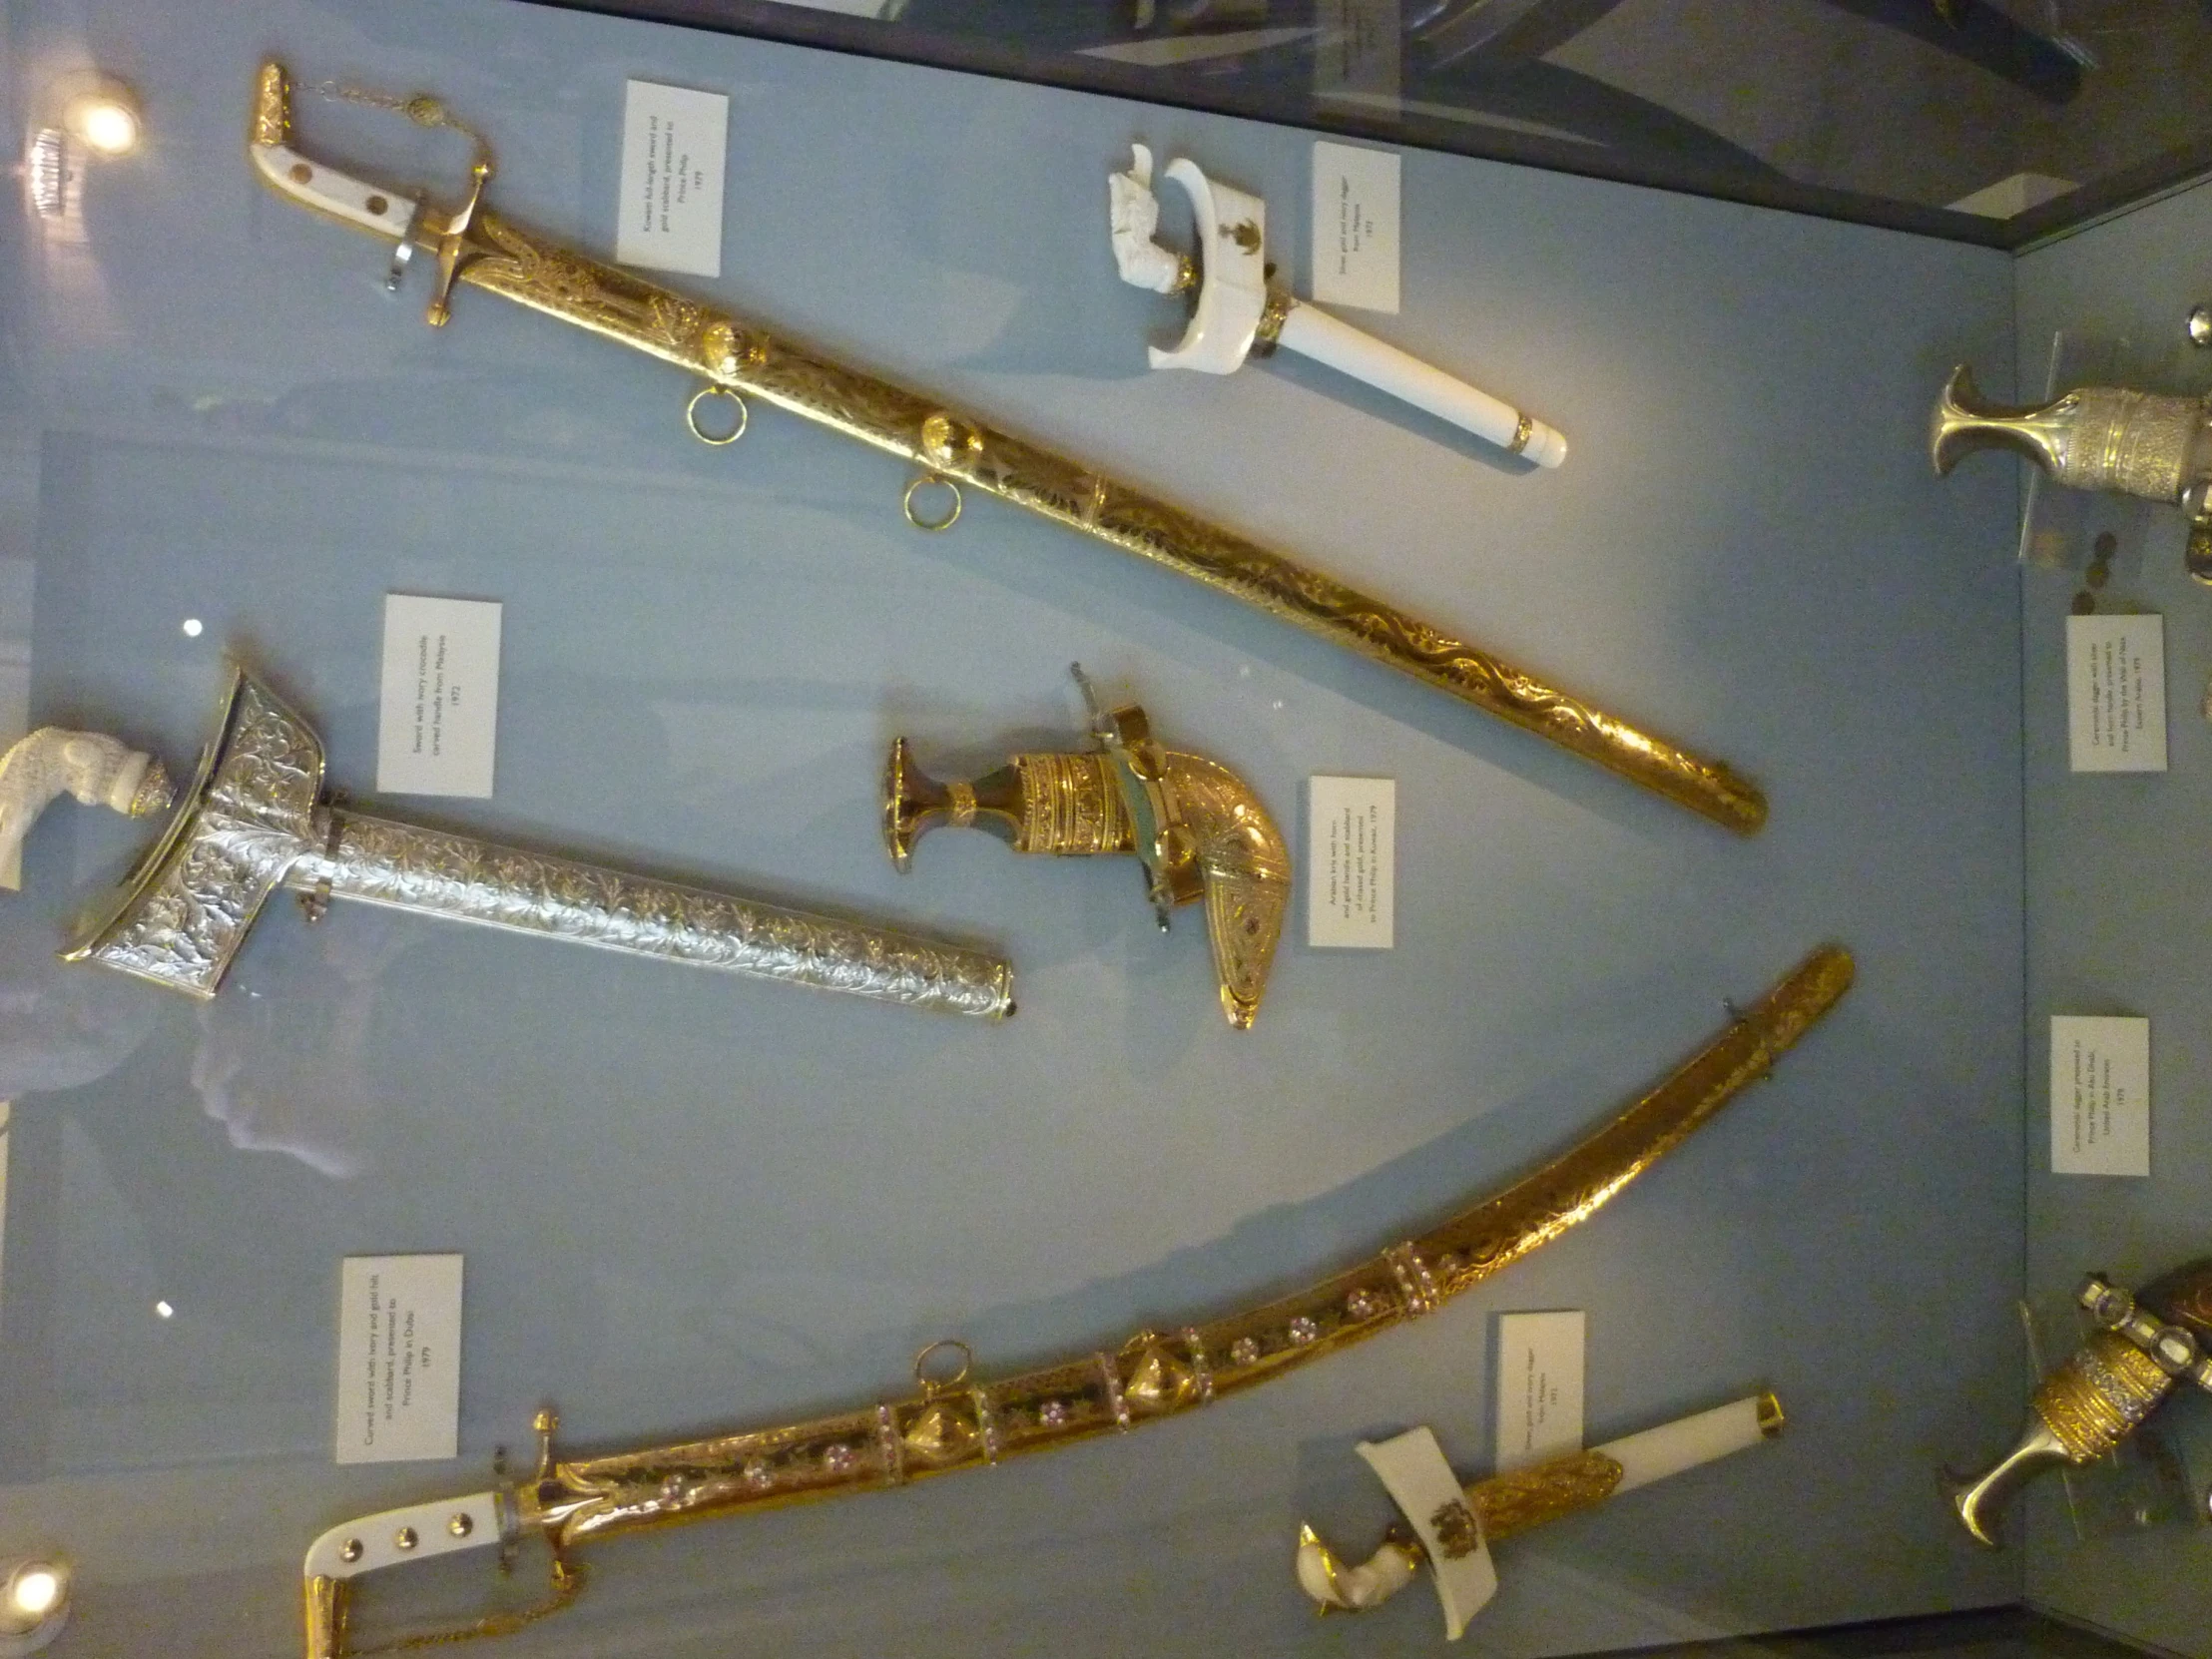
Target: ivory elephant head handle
x: 98, y: 770
x: 1197, y: 829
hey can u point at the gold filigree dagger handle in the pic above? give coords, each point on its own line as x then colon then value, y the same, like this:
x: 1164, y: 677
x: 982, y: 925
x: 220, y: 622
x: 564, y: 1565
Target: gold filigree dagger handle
x: 736, y: 359
x: 2142, y: 1345
x: 1195, y: 827
x: 955, y: 1422
x: 2104, y: 438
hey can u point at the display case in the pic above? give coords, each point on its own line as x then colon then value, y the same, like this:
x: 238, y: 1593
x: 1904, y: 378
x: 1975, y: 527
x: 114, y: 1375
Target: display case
x: 690, y: 1204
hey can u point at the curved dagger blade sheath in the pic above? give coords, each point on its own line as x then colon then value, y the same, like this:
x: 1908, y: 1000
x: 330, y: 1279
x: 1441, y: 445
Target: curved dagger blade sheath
x: 257, y: 819
x: 953, y: 1423
x: 482, y: 250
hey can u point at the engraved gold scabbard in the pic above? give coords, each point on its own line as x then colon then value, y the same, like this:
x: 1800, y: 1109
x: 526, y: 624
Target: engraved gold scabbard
x: 738, y: 359
x: 954, y: 1422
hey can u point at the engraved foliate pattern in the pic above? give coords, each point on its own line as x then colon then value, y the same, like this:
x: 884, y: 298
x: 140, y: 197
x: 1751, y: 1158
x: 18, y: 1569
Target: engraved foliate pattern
x: 1523, y: 1499
x: 182, y: 918
x: 2126, y: 442
x: 1247, y: 870
x: 406, y: 867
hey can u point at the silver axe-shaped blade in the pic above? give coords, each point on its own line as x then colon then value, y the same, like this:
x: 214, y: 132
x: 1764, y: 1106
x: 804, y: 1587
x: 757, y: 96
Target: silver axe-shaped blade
x: 256, y: 818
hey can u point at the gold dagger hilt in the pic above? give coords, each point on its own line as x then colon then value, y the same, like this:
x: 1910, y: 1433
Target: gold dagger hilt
x: 2104, y: 438
x: 2103, y: 1392
x: 1197, y: 829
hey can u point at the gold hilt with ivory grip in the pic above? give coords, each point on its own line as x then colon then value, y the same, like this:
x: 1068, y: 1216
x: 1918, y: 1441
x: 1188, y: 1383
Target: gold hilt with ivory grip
x: 2103, y: 439
x: 738, y: 359
x: 954, y: 1422
x: 1195, y: 827
x: 2142, y: 1345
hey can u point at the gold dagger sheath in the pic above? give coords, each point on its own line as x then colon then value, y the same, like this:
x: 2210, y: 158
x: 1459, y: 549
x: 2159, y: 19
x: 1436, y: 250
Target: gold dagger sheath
x: 738, y: 359
x: 955, y: 1422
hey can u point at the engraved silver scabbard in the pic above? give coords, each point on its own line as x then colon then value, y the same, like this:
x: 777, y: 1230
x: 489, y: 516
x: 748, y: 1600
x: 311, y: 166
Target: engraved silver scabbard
x: 257, y: 819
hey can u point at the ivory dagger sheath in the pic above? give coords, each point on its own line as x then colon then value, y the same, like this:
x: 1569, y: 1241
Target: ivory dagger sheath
x: 483, y: 250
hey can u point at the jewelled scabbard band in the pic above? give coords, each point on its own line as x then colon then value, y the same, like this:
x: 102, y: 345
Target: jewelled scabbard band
x: 1156, y: 1374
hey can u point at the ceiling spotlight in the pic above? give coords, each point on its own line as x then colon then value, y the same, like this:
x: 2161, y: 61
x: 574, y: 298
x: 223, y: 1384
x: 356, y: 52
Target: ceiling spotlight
x: 34, y: 1603
x: 103, y: 115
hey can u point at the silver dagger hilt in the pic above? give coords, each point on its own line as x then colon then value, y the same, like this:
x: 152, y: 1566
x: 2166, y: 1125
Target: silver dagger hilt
x: 1236, y: 312
x: 257, y: 819
x: 2110, y: 439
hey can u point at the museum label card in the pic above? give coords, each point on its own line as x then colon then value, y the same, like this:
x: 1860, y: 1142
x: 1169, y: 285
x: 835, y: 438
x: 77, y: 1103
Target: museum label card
x: 2116, y: 693
x: 438, y: 714
x: 674, y: 142
x: 1539, y: 1387
x: 1356, y: 225
x: 1351, y: 865
x: 2099, y: 1095
x: 399, y: 1358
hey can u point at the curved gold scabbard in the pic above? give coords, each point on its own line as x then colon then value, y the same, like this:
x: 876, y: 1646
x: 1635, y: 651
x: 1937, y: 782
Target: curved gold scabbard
x: 482, y: 250
x: 1155, y: 1372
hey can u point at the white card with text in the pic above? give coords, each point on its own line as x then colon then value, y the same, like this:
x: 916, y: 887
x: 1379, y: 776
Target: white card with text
x: 1352, y: 865
x: 399, y: 1358
x: 1539, y: 1387
x: 2116, y: 693
x: 1355, y: 225
x: 2099, y: 1095
x: 438, y: 712
x: 674, y: 145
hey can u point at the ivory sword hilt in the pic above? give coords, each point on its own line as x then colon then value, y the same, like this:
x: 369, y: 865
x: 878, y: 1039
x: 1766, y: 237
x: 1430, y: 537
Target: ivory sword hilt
x: 1238, y: 313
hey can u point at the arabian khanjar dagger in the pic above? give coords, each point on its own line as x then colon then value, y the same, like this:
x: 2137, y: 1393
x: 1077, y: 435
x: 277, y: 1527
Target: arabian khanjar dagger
x: 737, y: 358
x: 954, y: 1422
x: 258, y: 818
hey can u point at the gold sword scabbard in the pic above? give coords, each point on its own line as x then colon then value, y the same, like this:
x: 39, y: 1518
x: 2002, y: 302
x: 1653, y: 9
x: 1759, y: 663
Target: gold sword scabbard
x: 954, y: 1422
x: 738, y: 359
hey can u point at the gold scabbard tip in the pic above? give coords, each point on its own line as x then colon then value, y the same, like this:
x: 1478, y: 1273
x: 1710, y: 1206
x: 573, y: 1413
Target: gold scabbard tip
x: 1771, y: 1419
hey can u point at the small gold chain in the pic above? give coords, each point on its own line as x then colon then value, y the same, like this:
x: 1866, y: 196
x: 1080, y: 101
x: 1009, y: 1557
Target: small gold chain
x: 422, y: 110
x: 568, y: 1584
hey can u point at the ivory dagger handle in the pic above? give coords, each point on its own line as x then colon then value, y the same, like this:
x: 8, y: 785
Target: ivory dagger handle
x: 1313, y: 332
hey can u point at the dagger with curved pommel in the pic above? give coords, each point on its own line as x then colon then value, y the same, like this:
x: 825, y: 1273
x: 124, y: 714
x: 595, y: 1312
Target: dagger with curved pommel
x: 256, y: 818
x: 2142, y: 1345
x: 1449, y: 1527
x: 1238, y: 313
x: 2104, y: 438
x: 954, y: 1422
x: 736, y: 358
x: 1195, y: 826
